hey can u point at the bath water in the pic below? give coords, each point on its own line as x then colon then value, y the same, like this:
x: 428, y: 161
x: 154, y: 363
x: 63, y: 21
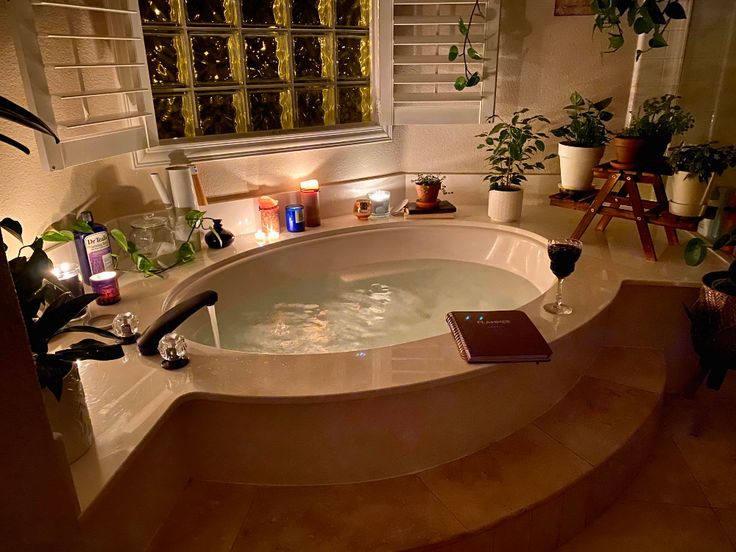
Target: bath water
x: 372, y: 305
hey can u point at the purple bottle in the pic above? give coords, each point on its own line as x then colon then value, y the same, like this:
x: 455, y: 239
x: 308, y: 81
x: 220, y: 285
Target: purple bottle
x: 93, y: 249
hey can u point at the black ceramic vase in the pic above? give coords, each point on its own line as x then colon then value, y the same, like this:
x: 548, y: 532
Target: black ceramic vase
x: 218, y: 237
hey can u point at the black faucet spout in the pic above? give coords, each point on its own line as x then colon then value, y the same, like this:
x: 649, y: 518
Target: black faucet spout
x: 171, y: 319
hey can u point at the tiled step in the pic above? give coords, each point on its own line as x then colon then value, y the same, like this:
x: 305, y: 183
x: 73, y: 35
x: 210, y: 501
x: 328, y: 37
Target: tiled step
x: 531, y: 491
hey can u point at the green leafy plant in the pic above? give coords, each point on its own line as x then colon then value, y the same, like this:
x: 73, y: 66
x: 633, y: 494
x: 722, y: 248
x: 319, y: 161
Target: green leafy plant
x: 512, y: 145
x: 430, y: 179
x: 660, y: 117
x: 705, y: 160
x: 587, y: 126
x: 47, y: 308
x: 11, y: 111
x: 644, y: 17
x: 696, y: 250
x: 468, y: 51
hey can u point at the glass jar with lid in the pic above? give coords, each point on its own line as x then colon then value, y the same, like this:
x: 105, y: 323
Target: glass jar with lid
x: 154, y: 238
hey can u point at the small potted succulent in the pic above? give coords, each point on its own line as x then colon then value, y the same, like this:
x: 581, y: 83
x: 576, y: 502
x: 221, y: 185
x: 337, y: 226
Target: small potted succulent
x: 646, y: 137
x: 694, y: 167
x: 511, y: 147
x: 428, y: 187
x: 585, y: 138
x: 713, y: 316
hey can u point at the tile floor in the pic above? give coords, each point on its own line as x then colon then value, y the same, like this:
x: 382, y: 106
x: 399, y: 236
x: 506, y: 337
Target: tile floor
x: 684, y: 498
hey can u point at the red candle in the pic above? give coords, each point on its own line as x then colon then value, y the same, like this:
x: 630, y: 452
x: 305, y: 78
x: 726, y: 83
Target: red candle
x: 309, y: 197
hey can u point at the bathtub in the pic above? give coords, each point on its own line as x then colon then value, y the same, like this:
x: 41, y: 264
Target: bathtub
x: 361, y: 413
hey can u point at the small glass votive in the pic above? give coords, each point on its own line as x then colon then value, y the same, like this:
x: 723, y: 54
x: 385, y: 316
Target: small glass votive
x: 106, y: 285
x: 68, y: 276
x: 362, y: 208
x: 380, y: 203
x: 269, y: 210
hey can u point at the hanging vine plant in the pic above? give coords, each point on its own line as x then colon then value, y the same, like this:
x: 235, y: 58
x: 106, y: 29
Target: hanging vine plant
x: 468, y: 51
x: 648, y: 17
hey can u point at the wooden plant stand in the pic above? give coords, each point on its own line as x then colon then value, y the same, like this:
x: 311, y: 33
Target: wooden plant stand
x: 627, y: 203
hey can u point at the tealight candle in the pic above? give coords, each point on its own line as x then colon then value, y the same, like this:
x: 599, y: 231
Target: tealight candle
x: 309, y: 196
x: 380, y: 203
x: 68, y: 276
x: 106, y: 284
x: 260, y: 237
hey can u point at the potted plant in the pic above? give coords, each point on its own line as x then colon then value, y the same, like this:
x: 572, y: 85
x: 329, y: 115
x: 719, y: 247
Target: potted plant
x: 428, y: 187
x: 46, y: 308
x: 511, y: 147
x: 585, y: 139
x: 644, y: 17
x: 694, y: 167
x: 646, y: 137
x: 713, y: 316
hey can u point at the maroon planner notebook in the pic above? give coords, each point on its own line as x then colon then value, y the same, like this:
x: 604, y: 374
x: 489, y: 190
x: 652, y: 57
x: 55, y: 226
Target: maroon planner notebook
x: 497, y: 336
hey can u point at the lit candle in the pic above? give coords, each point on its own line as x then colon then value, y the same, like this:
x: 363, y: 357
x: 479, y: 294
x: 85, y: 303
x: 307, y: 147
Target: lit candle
x: 272, y: 235
x: 68, y: 276
x: 269, y: 210
x: 380, y: 203
x: 309, y: 195
x: 260, y: 237
x: 106, y: 284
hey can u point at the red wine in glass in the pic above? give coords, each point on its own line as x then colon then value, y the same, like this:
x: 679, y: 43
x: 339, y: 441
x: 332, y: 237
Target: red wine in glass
x: 563, y: 254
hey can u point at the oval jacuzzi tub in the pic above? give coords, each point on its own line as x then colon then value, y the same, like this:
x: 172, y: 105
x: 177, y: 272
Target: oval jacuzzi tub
x: 366, y: 403
x: 367, y: 289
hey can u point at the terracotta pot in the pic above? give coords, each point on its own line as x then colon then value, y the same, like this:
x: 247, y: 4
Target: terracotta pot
x: 576, y: 165
x: 505, y: 205
x: 630, y: 150
x: 427, y: 195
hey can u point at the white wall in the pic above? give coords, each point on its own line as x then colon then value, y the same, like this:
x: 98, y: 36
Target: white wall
x: 542, y: 59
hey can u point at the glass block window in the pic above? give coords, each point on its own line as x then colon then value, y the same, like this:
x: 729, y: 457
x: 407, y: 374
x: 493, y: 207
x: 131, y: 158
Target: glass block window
x: 225, y: 67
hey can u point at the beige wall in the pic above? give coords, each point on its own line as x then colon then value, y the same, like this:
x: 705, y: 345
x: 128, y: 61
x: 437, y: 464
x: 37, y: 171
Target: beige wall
x: 542, y: 59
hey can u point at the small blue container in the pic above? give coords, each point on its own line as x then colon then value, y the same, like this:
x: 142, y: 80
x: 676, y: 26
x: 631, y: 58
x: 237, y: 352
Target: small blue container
x: 295, y: 218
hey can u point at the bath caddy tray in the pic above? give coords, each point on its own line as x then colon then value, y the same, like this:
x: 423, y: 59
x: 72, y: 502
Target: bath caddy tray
x: 627, y: 203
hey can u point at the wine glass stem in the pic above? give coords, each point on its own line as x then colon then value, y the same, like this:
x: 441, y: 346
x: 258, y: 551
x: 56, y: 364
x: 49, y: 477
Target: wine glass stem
x: 558, y: 299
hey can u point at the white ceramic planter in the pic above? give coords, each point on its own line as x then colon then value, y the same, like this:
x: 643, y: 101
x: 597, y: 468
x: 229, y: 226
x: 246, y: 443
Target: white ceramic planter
x: 505, y: 205
x: 576, y: 166
x: 70, y: 417
x: 688, y: 195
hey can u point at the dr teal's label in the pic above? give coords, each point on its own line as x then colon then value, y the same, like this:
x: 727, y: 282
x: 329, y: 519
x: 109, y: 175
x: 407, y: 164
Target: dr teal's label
x: 298, y: 215
x: 99, y: 253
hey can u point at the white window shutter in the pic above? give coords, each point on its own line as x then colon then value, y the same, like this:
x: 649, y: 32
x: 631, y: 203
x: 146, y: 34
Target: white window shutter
x: 423, y: 77
x: 84, y: 70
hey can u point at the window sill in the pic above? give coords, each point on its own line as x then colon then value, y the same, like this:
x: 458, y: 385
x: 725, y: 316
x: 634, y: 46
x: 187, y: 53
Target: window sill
x: 211, y: 150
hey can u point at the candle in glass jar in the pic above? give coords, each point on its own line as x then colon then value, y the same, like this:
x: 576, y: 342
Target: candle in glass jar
x: 380, y: 203
x: 269, y: 210
x: 309, y: 195
x: 68, y: 276
x: 106, y: 285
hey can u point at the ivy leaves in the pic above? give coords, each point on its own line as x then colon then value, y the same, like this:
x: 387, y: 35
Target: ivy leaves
x: 468, y: 52
x: 644, y: 17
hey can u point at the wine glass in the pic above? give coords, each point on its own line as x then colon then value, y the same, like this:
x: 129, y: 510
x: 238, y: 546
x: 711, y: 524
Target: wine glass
x: 563, y: 254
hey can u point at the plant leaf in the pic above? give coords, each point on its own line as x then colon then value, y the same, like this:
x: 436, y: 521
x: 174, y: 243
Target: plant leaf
x: 193, y: 217
x: 57, y: 236
x: 473, y: 54
x: 121, y: 239
x: 13, y: 112
x: 91, y: 349
x: 13, y: 227
x: 82, y: 226
x: 675, y: 11
x: 17, y: 145
x: 460, y: 83
x: 185, y: 253
x: 452, y: 54
x: 695, y: 252
x: 473, y: 80
x: 615, y: 41
x: 462, y: 27
x: 87, y: 329
x: 657, y: 41
x: 53, y: 319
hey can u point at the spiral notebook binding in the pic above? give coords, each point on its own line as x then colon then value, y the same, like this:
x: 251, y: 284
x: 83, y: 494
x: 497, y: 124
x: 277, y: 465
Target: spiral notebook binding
x: 455, y: 330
